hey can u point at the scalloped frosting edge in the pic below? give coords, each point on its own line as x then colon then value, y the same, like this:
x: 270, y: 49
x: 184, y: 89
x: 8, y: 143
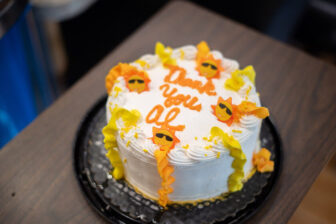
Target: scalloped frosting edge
x: 130, y: 119
x: 235, y: 181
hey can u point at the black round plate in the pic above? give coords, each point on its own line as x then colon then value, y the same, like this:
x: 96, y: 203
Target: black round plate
x: 118, y: 203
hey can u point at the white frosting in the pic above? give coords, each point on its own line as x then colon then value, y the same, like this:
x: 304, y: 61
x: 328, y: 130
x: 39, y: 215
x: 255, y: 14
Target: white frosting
x: 198, y: 171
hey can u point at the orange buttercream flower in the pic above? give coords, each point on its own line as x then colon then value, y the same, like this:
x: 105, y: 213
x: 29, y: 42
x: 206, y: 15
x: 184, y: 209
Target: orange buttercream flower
x: 164, y: 137
x: 227, y: 112
x: 262, y: 162
x: 135, y: 80
x: 207, y: 65
x: 114, y: 73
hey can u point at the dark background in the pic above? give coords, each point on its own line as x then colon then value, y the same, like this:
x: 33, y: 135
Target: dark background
x: 306, y: 24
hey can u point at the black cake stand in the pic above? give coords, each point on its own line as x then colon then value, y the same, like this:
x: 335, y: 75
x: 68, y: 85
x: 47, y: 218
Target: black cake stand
x: 118, y: 203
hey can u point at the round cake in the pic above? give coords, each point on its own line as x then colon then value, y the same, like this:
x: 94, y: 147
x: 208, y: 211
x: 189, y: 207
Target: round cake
x: 183, y: 124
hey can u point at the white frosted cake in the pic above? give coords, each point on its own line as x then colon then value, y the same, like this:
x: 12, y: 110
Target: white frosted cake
x: 184, y: 124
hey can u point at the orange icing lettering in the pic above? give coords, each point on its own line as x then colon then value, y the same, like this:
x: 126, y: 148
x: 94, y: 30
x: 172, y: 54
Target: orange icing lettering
x: 158, y: 109
x: 178, y: 99
x: 171, y: 115
x: 191, y: 103
x: 181, y: 80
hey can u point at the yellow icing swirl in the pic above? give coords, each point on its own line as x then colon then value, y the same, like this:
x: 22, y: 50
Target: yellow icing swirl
x: 130, y: 119
x: 236, y: 81
x: 165, y: 54
x: 142, y: 63
x: 229, y: 142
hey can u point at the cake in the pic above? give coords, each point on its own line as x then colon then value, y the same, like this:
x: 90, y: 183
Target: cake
x: 183, y: 124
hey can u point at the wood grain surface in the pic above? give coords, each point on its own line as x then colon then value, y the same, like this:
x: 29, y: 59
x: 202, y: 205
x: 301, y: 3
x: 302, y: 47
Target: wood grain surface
x: 319, y: 204
x: 37, y: 180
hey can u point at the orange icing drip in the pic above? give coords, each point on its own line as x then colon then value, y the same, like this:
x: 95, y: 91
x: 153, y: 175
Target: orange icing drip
x: 244, y: 108
x: 204, y: 55
x: 165, y: 170
x: 262, y: 162
x: 179, y: 98
x: 181, y: 80
x: 155, y: 114
x: 166, y: 139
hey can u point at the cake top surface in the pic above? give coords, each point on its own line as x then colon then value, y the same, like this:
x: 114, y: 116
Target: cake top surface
x: 177, y: 99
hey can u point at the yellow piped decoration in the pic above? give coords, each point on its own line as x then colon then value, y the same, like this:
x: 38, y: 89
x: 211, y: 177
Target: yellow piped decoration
x: 208, y: 147
x: 182, y: 54
x: 164, y: 54
x: 117, y: 90
x: 130, y: 119
x: 249, y: 72
x: 236, y: 81
x: 235, y: 179
x: 142, y: 63
x: 115, y: 160
x: 248, y: 90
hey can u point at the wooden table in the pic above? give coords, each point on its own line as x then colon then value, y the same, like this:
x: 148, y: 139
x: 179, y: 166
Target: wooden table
x: 37, y: 180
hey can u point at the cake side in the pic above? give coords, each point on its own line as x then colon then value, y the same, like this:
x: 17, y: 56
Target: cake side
x: 201, y: 127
